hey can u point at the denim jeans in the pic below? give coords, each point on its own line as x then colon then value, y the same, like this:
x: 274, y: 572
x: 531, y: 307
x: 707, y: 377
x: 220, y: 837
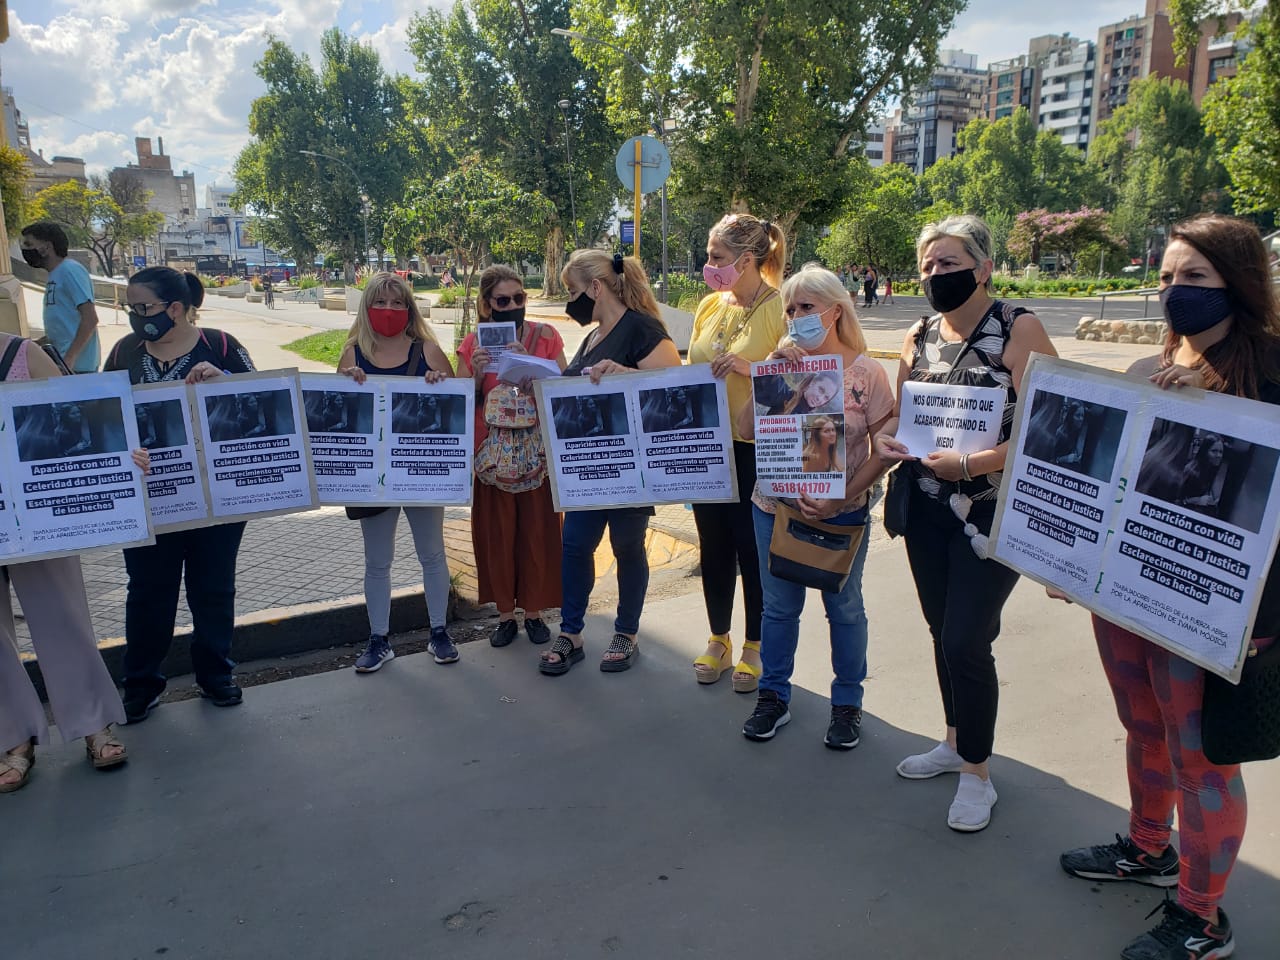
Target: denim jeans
x: 780, y: 625
x: 583, y: 530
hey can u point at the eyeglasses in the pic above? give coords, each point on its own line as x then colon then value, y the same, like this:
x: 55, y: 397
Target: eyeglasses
x: 503, y: 302
x: 149, y: 309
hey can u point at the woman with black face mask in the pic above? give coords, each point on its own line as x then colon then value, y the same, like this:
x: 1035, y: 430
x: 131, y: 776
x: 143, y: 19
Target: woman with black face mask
x: 166, y: 345
x: 515, y: 530
x: 975, y: 341
x: 1224, y: 335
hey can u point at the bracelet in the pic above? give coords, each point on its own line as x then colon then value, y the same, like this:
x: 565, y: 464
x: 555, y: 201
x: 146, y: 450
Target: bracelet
x: 964, y: 466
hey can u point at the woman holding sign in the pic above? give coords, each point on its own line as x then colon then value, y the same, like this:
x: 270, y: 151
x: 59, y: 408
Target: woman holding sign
x: 738, y: 324
x: 389, y: 338
x: 972, y: 341
x: 613, y: 293
x: 81, y: 691
x: 167, y: 346
x: 1224, y: 335
x: 515, y: 530
x: 821, y: 321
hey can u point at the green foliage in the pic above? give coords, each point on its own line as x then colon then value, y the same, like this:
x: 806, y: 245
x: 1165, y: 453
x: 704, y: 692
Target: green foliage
x: 323, y: 348
x: 1242, y: 113
x: 94, y: 219
x: 448, y: 296
x: 306, y: 281
x: 683, y: 289
x: 882, y: 225
x: 15, y: 170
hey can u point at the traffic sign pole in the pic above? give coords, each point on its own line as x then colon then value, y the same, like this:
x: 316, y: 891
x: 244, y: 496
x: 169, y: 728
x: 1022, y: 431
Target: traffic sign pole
x: 639, y: 170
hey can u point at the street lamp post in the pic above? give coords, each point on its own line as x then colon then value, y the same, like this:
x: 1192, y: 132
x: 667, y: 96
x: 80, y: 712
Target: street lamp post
x: 568, y: 158
x: 364, y: 194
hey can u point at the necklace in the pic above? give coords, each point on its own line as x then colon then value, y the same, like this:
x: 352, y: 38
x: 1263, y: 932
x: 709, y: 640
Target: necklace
x: 724, y: 335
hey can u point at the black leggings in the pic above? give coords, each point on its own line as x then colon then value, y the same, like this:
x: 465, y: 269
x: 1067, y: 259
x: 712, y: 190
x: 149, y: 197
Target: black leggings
x: 727, y: 546
x: 961, y: 597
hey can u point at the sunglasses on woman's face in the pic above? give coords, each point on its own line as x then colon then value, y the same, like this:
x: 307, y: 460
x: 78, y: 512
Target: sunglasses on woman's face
x: 503, y: 302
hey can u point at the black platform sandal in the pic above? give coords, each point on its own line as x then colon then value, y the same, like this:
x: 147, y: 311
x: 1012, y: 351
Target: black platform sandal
x: 627, y: 647
x: 569, y: 655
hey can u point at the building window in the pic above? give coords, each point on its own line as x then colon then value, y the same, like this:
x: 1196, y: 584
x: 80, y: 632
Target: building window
x: 1005, y: 80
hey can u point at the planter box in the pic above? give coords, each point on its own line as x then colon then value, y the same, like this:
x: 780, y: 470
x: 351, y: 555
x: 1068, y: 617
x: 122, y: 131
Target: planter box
x: 353, y: 299
x: 253, y: 297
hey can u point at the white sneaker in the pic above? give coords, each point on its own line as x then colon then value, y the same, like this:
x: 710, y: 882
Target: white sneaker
x: 971, y: 809
x: 922, y: 766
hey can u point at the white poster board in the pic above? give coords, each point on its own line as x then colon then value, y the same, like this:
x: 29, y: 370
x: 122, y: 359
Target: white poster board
x: 176, y: 489
x: 799, y: 427
x: 430, y: 431
x: 637, y: 439
x: 68, y: 479
x: 941, y: 416
x: 346, y: 428
x: 1158, y: 510
x: 495, y: 339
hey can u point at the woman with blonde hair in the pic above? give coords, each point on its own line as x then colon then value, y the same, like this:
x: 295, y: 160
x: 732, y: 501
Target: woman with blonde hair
x: 613, y: 293
x: 390, y: 338
x: 821, y: 320
x: 819, y: 454
x: 741, y: 322
x: 515, y: 529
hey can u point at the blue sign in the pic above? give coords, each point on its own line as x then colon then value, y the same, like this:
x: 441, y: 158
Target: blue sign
x: 655, y: 164
x: 139, y: 262
x: 626, y: 231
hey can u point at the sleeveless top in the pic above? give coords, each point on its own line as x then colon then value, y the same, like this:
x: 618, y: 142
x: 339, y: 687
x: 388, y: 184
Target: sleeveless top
x: 19, y: 369
x: 976, y: 362
x: 415, y: 364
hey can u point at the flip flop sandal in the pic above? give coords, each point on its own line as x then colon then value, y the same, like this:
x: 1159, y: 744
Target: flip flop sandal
x: 94, y: 745
x: 569, y: 655
x: 16, y: 761
x: 621, y: 644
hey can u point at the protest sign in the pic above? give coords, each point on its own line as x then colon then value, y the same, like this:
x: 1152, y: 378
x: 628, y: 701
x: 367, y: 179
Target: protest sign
x: 1157, y: 510
x: 69, y: 482
x: 430, y: 433
x: 494, y: 338
x: 176, y: 490
x: 254, y: 438
x: 345, y: 424
x: 941, y: 416
x: 799, y: 427
x: 637, y: 439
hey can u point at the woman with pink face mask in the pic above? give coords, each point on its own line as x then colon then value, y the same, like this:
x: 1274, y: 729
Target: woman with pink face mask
x: 739, y: 323
x: 390, y: 338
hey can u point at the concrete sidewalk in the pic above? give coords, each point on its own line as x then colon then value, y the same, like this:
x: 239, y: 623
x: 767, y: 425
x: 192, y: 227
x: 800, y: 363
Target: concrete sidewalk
x: 482, y: 810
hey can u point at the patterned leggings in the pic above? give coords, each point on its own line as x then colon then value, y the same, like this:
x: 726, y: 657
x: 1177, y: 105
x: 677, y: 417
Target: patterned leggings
x: 1158, y: 696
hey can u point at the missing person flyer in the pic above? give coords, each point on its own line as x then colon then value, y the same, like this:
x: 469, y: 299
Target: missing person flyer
x: 592, y: 446
x: 799, y: 427
x: 71, y: 484
x: 496, y: 338
x: 175, y: 485
x: 254, y: 437
x: 345, y: 427
x: 431, y: 440
x: 940, y: 416
x: 685, y: 435
x: 1158, y: 510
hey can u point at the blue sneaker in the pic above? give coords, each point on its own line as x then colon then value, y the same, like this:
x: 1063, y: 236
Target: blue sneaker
x: 376, y: 653
x: 442, y: 647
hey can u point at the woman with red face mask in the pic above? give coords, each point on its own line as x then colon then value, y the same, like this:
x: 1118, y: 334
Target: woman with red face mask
x: 390, y: 338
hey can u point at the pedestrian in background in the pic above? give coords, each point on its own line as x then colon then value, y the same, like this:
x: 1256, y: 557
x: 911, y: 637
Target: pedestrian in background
x: 70, y: 317
x: 389, y: 338
x: 515, y: 530
x: 613, y: 293
x: 1223, y: 335
x: 975, y: 341
x: 738, y: 324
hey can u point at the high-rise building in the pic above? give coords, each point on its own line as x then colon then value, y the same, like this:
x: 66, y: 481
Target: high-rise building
x: 44, y: 173
x: 938, y: 110
x: 1012, y: 84
x: 172, y: 194
x: 1066, y: 88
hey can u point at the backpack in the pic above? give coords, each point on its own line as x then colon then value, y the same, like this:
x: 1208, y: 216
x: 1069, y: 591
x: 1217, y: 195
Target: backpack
x: 512, y: 457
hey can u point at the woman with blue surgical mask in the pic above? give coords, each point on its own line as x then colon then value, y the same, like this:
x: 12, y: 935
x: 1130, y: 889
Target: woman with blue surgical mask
x: 821, y: 321
x: 737, y: 324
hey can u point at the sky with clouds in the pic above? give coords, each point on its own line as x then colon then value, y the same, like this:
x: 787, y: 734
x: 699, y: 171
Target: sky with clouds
x: 90, y: 75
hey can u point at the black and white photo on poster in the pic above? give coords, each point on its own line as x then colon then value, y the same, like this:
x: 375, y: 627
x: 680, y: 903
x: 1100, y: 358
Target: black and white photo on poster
x: 685, y: 407
x: 591, y: 415
x: 56, y: 431
x: 431, y: 442
x: 175, y: 487
x: 161, y: 423
x: 424, y: 413
x: 1077, y: 435
x: 252, y: 414
x: 495, y: 338
x: 684, y: 425
x: 593, y: 453
x: 338, y: 411
x: 346, y: 429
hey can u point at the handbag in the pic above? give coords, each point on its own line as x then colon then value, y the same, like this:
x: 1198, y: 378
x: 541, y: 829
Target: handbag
x: 897, y: 502
x: 810, y: 552
x: 364, y: 513
x: 1241, y: 723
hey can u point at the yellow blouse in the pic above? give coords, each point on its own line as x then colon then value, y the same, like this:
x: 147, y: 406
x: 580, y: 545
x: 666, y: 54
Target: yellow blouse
x: 750, y: 333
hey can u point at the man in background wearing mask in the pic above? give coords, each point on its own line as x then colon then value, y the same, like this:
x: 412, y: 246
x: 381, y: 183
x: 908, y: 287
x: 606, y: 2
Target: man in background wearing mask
x: 70, y: 318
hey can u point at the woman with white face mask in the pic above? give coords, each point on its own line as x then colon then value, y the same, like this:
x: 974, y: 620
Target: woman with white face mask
x: 739, y: 323
x: 821, y: 321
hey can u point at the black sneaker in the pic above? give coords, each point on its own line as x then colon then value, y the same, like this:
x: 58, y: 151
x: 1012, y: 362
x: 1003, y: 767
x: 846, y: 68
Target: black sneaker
x: 1122, y: 860
x: 538, y: 631
x: 138, y: 707
x: 442, y: 647
x: 1181, y: 935
x: 504, y: 634
x: 771, y: 713
x: 844, y: 731
x: 222, y: 694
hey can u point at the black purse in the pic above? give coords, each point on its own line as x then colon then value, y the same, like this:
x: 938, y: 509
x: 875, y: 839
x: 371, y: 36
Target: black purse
x: 1241, y: 723
x: 897, y: 501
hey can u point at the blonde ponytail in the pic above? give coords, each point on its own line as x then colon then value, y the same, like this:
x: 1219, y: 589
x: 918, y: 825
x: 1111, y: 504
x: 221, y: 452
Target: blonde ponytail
x: 624, y: 276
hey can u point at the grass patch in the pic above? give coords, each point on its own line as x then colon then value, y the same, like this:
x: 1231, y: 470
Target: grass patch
x: 321, y: 347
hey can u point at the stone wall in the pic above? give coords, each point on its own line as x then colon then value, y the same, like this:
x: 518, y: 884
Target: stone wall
x: 1121, y: 331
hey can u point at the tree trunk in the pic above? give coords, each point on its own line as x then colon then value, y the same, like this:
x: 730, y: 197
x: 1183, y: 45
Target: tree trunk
x: 553, y: 262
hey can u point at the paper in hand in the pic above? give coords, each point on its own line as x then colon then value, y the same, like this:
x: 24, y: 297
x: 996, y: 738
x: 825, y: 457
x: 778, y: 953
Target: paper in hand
x: 519, y: 367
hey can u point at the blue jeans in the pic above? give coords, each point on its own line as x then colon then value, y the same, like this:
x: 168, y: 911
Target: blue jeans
x: 780, y: 625
x: 583, y: 531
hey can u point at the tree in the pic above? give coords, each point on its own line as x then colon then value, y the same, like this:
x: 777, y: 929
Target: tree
x: 881, y: 227
x: 492, y: 75
x: 773, y: 95
x: 15, y: 171
x: 1037, y: 231
x: 93, y: 219
x: 473, y: 211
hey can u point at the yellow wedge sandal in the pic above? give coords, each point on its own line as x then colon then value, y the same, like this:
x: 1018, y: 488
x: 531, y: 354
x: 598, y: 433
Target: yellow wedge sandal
x: 746, y: 676
x: 708, y: 668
